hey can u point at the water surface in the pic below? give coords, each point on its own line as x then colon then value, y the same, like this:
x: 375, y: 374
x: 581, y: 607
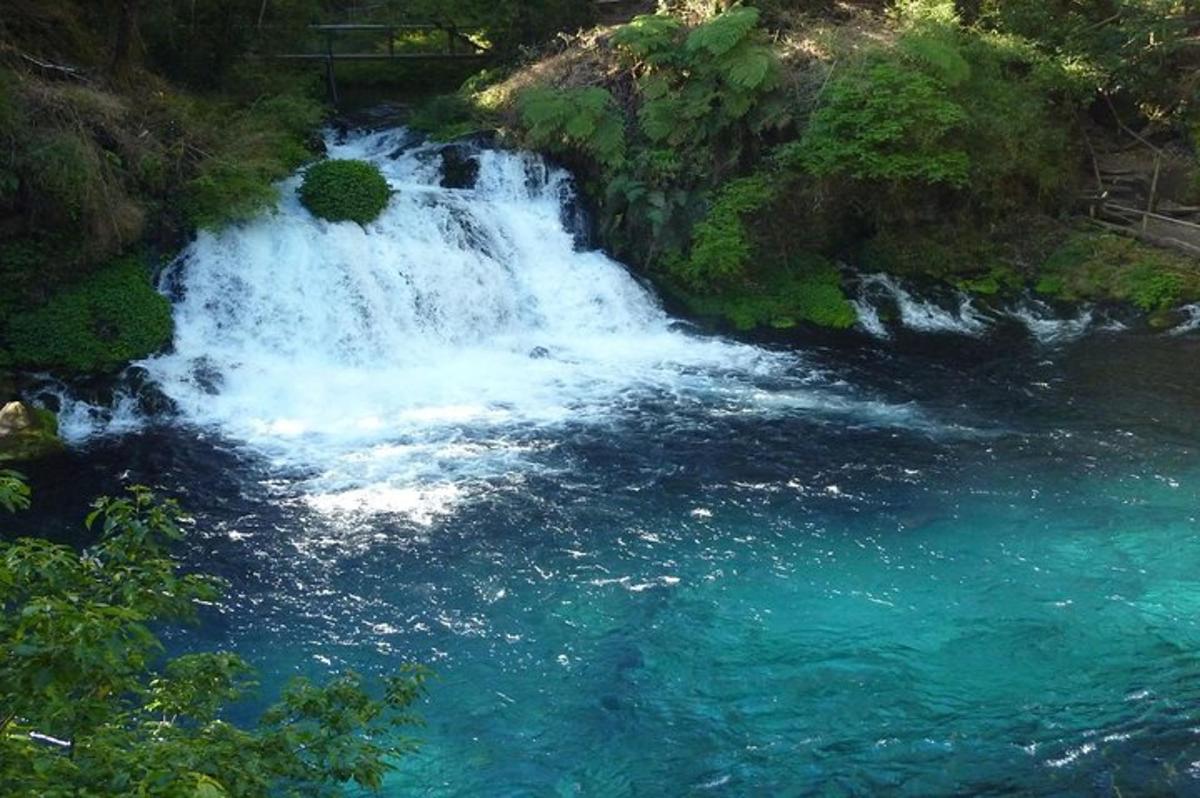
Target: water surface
x: 645, y: 561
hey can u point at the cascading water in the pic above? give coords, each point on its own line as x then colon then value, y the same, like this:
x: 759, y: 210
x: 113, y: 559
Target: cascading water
x: 400, y: 358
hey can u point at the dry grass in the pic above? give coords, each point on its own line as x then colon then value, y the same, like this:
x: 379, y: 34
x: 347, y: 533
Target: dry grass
x: 586, y: 59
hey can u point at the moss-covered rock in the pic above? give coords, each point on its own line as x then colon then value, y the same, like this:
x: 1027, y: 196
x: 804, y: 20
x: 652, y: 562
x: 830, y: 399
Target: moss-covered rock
x: 27, y: 433
x: 99, y: 325
x: 1105, y: 267
x: 345, y: 190
x: 807, y: 291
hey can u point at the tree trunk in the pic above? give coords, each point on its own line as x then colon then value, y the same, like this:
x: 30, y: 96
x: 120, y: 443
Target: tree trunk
x: 968, y: 11
x: 126, y: 30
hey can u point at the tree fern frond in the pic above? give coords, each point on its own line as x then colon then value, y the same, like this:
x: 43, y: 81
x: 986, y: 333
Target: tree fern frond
x: 722, y: 33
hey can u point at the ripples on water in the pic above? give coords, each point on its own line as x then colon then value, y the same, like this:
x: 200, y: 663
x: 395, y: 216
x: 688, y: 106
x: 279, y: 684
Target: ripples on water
x: 932, y: 566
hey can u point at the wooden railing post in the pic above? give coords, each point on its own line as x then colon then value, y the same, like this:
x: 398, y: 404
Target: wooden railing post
x: 329, y: 70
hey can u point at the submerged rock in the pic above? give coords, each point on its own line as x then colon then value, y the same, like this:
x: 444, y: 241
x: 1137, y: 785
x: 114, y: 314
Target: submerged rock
x: 27, y: 433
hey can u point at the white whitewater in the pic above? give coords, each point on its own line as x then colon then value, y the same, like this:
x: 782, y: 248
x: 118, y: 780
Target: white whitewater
x: 394, y: 364
x: 916, y: 314
x: 1192, y: 321
x: 1046, y: 327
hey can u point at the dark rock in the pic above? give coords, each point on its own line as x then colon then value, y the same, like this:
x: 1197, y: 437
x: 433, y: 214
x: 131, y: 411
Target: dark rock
x: 151, y: 400
x: 539, y: 353
x: 460, y: 167
x: 406, y: 140
x: 207, y: 377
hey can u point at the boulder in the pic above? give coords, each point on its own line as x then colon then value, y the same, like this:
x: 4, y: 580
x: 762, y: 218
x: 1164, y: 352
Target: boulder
x: 460, y: 167
x: 17, y: 417
x: 27, y: 433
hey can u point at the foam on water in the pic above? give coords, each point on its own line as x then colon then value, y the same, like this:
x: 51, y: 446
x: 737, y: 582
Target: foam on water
x: 1191, y: 323
x: 919, y: 314
x: 1042, y: 323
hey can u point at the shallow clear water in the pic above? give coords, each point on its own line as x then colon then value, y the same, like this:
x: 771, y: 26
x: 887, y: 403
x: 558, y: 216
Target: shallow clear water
x: 934, y: 565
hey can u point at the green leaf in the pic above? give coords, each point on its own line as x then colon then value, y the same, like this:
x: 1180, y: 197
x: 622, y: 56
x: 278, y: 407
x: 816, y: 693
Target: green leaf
x: 724, y: 32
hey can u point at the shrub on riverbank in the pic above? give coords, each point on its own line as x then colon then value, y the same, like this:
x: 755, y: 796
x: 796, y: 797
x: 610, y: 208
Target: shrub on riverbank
x: 1104, y: 267
x: 345, y: 190
x: 252, y: 148
x: 714, y: 154
x: 105, y: 321
x: 92, y: 706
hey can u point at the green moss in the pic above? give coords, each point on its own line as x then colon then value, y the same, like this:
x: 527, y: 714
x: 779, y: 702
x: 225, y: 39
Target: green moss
x: 807, y: 291
x: 1051, y: 285
x: 450, y: 116
x: 966, y: 258
x: 1101, y: 266
x: 344, y: 190
x: 109, y: 319
x: 999, y: 280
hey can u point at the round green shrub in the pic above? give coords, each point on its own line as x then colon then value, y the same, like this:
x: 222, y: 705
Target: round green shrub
x: 112, y: 317
x: 343, y: 190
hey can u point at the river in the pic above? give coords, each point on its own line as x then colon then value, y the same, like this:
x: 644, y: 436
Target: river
x: 959, y: 555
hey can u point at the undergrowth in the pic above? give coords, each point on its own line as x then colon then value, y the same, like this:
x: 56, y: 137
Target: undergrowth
x: 108, y: 319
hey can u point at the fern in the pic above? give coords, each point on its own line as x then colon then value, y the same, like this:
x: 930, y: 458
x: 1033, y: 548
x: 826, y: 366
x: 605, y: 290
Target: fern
x: 575, y: 119
x: 724, y: 32
x: 753, y: 68
x: 938, y: 53
x: 650, y: 37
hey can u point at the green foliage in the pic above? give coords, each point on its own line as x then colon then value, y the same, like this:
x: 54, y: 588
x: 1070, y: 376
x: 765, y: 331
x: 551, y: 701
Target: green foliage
x: 886, y: 122
x: 996, y: 281
x: 252, y: 149
x: 706, y: 98
x: 1102, y: 266
x: 446, y: 117
x: 952, y: 127
x: 585, y: 121
x: 66, y: 169
x: 944, y: 252
x: 14, y: 493
x: 80, y: 665
x: 808, y: 290
x: 650, y: 38
x: 345, y: 190
x: 937, y: 54
x: 696, y: 87
x: 723, y: 33
x: 102, y: 323
x: 721, y: 245
x: 1139, y: 48
x: 201, y: 44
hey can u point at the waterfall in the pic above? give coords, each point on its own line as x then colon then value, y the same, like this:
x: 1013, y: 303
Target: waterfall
x: 394, y: 367
x: 423, y: 348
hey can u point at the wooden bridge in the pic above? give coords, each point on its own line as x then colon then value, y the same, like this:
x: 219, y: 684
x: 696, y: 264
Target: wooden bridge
x: 455, y: 46
x: 443, y: 41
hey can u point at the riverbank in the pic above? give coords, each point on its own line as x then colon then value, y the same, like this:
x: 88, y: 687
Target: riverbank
x: 735, y: 160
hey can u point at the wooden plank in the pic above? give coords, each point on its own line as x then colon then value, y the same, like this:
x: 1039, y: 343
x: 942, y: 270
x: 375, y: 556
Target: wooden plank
x: 380, y: 57
x: 337, y: 28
